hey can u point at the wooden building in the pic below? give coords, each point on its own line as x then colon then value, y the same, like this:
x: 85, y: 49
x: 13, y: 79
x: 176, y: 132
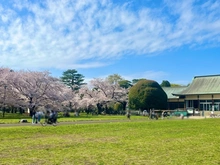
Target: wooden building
x: 202, y: 94
x: 174, y: 102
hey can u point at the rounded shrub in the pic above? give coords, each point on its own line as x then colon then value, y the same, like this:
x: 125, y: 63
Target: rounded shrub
x: 147, y: 94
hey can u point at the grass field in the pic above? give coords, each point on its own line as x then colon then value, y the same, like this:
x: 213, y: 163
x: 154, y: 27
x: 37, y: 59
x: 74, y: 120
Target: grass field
x: 139, y: 143
x: 15, y: 118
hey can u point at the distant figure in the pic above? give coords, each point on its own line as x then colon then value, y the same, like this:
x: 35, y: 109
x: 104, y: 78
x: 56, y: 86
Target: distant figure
x: 152, y: 114
x: 145, y: 113
x: 47, y: 115
x: 51, y: 117
x: 51, y: 114
x: 33, y: 117
x: 162, y: 116
x: 181, y: 116
x: 36, y: 117
x: 129, y: 115
x: 212, y: 114
x: 39, y: 115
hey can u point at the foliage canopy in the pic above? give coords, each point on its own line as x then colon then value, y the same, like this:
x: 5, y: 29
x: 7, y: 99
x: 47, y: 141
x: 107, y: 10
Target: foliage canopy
x: 114, y: 79
x: 72, y: 79
x: 165, y: 83
x: 125, y: 84
x: 147, y: 94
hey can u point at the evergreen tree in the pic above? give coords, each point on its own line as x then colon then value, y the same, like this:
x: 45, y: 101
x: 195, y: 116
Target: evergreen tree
x: 125, y: 84
x: 114, y: 79
x: 134, y: 81
x: 165, y: 83
x: 73, y: 79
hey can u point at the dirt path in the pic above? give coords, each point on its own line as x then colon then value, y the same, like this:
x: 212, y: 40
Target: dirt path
x: 72, y: 123
x: 91, y: 122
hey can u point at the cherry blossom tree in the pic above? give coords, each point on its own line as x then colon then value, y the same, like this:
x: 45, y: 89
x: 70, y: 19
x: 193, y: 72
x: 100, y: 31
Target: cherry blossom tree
x: 102, y: 93
x: 89, y: 97
x: 35, y: 89
x: 71, y: 101
x: 32, y: 90
x: 5, y: 95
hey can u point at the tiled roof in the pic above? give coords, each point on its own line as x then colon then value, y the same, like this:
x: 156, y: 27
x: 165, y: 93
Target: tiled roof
x: 202, y: 85
x: 170, y: 90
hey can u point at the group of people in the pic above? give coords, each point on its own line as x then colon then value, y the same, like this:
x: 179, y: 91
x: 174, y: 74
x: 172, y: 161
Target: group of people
x: 50, y: 117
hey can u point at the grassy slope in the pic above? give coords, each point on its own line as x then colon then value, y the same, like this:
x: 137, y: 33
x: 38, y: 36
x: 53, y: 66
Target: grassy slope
x: 148, y: 142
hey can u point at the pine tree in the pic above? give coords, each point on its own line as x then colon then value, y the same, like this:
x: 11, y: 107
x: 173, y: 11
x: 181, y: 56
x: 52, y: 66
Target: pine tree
x: 73, y: 79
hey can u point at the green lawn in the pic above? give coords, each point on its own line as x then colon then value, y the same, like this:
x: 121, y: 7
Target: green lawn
x: 143, y: 142
x: 15, y: 118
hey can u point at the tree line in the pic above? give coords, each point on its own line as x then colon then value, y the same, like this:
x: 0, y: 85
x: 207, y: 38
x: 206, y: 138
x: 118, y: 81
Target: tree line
x: 33, y: 90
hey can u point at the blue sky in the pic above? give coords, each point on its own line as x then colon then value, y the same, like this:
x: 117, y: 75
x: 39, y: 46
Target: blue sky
x: 152, y: 39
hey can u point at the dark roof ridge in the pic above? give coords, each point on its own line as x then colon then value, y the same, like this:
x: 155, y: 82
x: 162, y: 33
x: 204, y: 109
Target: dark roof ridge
x: 207, y: 76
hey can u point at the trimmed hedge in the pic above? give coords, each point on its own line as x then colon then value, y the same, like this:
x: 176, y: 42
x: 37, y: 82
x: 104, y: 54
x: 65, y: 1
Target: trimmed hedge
x: 147, y: 94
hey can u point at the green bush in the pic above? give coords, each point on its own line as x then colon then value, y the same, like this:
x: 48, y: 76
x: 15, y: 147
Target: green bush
x: 147, y: 94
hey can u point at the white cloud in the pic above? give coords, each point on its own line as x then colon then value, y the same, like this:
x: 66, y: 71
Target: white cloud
x: 62, y: 34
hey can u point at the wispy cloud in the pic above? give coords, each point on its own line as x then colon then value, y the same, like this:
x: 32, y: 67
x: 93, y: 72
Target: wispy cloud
x: 64, y: 34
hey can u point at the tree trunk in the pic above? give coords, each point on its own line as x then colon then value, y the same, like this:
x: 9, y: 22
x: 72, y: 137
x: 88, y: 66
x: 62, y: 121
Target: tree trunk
x: 99, y: 106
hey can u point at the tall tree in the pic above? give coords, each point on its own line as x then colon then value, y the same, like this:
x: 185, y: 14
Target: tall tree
x: 125, y: 84
x: 114, y: 79
x: 165, y: 83
x: 177, y: 85
x: 4, y: 99
x: 34, y: 89
x: 73, y: 79
x: 103, y: 93
x: 134, y: 81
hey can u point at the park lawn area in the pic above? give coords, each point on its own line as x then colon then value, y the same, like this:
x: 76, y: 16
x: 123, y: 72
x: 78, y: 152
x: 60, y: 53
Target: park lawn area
x: 138, y: 143
x: 15, y: 118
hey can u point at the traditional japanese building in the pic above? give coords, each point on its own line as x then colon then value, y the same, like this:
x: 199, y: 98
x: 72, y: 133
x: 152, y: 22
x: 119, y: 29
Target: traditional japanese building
x: 202, y: 94
x: 174, y: 102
